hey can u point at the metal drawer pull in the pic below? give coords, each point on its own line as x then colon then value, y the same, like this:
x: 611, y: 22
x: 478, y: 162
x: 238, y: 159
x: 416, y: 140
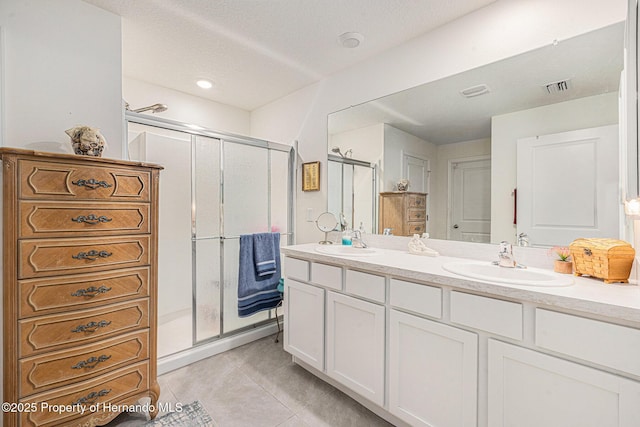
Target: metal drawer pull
x: 91, y: 362
x: 92, y: 397
x: 92, y: 255
x: 92, y: 326
x: 91, y: 183
x: 91, y: 219
x: 91, y: 291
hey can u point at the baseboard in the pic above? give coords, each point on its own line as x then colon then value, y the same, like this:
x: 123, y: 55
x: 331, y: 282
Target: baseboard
x: 186, y: 357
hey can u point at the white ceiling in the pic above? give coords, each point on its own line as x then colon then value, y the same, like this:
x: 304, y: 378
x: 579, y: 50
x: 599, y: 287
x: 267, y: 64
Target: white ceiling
x: 257, y: 51
x: 438, y: 113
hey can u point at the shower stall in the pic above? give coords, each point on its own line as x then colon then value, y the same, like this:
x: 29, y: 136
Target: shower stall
x: 214, y: 188
x: 352, y: 191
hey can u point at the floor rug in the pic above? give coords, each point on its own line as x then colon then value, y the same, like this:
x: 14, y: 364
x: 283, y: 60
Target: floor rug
x: 191, y: 415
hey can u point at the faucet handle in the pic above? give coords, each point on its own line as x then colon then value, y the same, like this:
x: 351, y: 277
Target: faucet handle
x: 505, y: 247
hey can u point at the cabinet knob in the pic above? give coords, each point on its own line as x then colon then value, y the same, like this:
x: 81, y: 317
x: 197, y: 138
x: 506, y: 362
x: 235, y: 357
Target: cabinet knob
x: 92, y: 326
x: 91, y: 397
x: 92, y: 255
x: 91, y: 291
x: 456, y: 226
x: 91, y: 183
x: 91, y: 219
x: 91, y: 362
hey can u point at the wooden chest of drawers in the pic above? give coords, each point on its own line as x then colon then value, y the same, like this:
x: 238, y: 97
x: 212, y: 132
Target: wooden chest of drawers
x: 80, y: 284
x: 404, y: 212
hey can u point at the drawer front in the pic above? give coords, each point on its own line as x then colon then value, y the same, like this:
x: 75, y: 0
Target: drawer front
x: 51, y: 332
x: 68, y: 181
x: 416, y: 228
x: 61, y: 368
x: 487, y: 314
x: 53, y: 257
x: 416, y: 214
x: 296, y: 269
x: 365, y: 285
x: 590, y: 340
x: 43, y: 219
x: 418, y: 298
x: 325, y: 275
x: 65, y: 293
x: 416, y: 201
x: 99, y: 391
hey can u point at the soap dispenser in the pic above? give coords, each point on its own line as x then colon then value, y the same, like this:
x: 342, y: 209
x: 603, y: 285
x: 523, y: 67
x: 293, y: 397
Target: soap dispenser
x: 346, y: 237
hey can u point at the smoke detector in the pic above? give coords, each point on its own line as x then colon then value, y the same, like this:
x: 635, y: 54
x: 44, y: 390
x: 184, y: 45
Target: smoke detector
x: 350, y: 40
x: 478, y: 90
x: 557, y: 87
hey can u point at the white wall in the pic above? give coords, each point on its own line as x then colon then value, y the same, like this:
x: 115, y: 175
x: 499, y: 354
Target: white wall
x: 187, y: 108
x: 367, y: 143
x: 61, y: 68
x: 506, y: 129
x: 502, y: 29
x: 397, y: 143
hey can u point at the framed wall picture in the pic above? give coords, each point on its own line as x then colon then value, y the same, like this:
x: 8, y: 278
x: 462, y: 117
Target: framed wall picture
x: 311, y: 176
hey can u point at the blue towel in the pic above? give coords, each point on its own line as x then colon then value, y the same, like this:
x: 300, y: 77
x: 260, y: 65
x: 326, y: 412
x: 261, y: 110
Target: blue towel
x: 264, y: 253
x: 257, y: 293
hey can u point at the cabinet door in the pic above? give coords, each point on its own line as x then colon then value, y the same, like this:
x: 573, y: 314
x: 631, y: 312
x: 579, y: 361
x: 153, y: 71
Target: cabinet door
x: 355, y: 345
x: 531, y: 389
x: 433, y: 373
x: 304, y: 322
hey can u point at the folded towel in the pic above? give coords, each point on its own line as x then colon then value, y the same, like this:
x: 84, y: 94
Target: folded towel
x: 257, y: 293
x: 264, y: 252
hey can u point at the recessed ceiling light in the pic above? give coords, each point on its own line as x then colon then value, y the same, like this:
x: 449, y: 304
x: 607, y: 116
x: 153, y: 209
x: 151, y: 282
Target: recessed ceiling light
x: 204, y: 84
x: 472, y: 91
x: 350, y: 40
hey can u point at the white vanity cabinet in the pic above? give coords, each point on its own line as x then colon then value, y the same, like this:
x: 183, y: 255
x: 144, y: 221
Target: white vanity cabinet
x: 530, y: 389
x: 304, y: 331
x: 433, y: 378
x: 423, y: 349
x: 356, y: 345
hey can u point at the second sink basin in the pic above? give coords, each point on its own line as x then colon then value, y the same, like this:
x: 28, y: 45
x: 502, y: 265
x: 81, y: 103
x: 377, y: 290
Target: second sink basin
x: 345, y: 250
x: 514, y: 276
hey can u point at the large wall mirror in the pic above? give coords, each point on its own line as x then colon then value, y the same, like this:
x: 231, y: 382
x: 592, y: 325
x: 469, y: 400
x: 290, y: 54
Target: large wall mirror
x: 459, y: 140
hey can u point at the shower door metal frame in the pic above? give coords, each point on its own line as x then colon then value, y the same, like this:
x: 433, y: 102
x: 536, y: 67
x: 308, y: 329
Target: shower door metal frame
x: 194, y: 131
x: 374, y: 185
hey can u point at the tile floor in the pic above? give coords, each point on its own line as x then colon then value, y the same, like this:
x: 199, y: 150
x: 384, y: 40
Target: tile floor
x: 257, y: 385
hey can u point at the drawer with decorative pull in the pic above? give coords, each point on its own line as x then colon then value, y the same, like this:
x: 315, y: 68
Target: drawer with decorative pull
x: 416, y: 214
x: 57, y: 331
x: 52, y: 219
x: 51, y: 295
x: 68, y: 181
x: 114, y: 387
x: 416, y: 228
x: 54, y: 257
x: 57, y: 369
x: 416, y: 200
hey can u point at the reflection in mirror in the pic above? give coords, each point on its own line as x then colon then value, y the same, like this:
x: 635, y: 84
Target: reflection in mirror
x: 326, y: 222
x: 352, y: 192
x: 465, y: 129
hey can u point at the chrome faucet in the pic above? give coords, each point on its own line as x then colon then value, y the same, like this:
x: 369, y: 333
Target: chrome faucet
x: 357, y: 241
x: 523, y: 239
x: 505, y: 255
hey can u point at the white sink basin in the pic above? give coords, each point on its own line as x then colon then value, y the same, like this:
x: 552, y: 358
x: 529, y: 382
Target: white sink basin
x: 346, y: 250
x: 513, y: 276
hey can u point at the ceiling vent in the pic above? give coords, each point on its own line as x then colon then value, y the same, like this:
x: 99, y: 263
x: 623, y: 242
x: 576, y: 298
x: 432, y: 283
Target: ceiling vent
x: 557, y: 87
x: 478, y: 90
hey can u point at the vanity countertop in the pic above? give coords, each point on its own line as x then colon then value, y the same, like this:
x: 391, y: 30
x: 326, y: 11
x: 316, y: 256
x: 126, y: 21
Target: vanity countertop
x: 617, y: 301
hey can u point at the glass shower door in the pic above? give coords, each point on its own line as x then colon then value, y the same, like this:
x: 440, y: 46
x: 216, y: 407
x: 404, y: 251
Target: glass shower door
x: 245, y: 203
x: 171, y: 149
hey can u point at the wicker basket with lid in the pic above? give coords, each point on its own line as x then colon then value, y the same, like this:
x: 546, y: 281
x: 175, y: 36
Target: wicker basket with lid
x: 607, y: 259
